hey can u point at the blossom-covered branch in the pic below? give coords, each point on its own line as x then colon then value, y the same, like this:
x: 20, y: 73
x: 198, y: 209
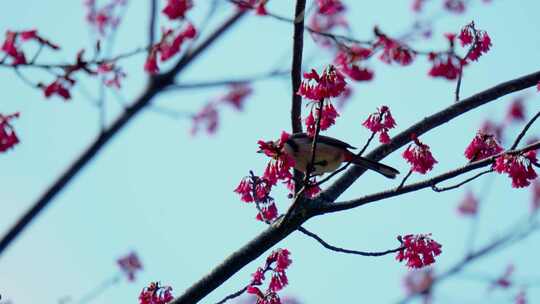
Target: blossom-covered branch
x: 345, y: 205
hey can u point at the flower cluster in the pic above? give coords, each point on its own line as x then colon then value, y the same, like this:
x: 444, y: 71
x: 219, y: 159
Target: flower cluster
x: 112, y: 74
x: 156, y: 294
x: 504, y: 281
x: 330, y: 83
x: 482, y: 146
x: 207, y: 116
x: 518, y: 166
x: 258, y: 5
x: 256, y: 189
x: 176, y: 9
x: 455, y: 6
x: 169, y: 45
x: 445, y: 65
x: 329, y: 15
x: 12, y: 45
x: 516, y: 111
x: 236, y: 96
x: 129, y: 265
x: 479, y: 41
x: 419, y: 156
x: 381, y: 122
x: 419, y: 282
x: 468, y: 205
x: 105, y: 18
x: 418, y: 250
x: 393, y: 50
x: 348, y: 59
x: 277, y: 262
x: 280, y: 164
x: 8, y: 137
x: 311, y: 191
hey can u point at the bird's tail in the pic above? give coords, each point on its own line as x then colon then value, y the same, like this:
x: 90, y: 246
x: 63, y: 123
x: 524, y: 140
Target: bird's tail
x: 375, y: 166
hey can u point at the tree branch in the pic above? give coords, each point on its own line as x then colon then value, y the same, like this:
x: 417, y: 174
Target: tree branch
x: 340, y: 206
x: 296, y: 66
x: 225, y: 82
x: 524, y: 131
x: 154, y: 87
x: 429, y: 123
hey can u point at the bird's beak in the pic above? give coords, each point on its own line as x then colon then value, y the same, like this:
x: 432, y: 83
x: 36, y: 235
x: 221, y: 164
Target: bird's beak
x: 260, y: 151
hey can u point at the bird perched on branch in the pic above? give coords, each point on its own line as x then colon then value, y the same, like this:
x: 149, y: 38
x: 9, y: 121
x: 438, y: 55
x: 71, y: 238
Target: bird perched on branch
x: 329, y: 155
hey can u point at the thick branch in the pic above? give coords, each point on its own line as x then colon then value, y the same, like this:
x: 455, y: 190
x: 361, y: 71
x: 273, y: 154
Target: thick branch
x: 429, y: 123
x: 340, y: 206
x: 155, y: 86
x: 296, y: 68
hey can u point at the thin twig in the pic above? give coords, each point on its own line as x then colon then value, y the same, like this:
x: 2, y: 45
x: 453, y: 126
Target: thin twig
x: 404, y: 179
x: 439, y: 189
x: 343, y: 250
x: 524, y: 131
x: 226, y: 82
x: 152, y: 22
x: 233, y: 295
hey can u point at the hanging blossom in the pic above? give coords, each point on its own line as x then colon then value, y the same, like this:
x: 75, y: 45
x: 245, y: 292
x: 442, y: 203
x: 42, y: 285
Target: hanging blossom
x: 490, y: 127
x: 516, y: 111
x: 482, y: 146
x: 521, y: 297
x: 393, y: 50
x: 258, y: 5
x: 330, y: 14
x: 237, y: 95
x: 504, y: 281
x: 419, y: 156
x: 417, y: 5
x: 8, y: 137
x: 130, y: 265
x: 169, y: 45
x: 418, y: 250
x: 446, y: 64
x: 454, y: 6
x: 479, y: 40
x: 156, y: 294
x: 208, y: 116
x: 419, y: 282
x: 311, y: 191
x: 12, y: 45
x: 468, y: 205
x: 176, y: 9
x: 381, y: 122
x: 280, y: 164
x: 330, y: 83
x: 519, y: 167
x: 348, y: 62
x: 104, y: 19
x: 277, y: 262
x: 60, y: 87
x: 112, y: 74
x: 253, y: 188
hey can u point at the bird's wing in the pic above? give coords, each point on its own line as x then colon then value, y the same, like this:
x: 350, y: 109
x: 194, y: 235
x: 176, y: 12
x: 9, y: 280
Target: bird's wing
x: 326, y: 140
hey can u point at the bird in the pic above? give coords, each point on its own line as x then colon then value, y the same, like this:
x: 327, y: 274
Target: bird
x: 329, y: 155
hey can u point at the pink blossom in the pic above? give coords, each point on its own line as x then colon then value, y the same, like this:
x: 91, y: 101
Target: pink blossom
x: 519, y: 167
x: 330, y: 83
x: 156, y: 294
x: 207, y: 116
x: 468, y: 205
x: 418, y: 250
x: 381, y: 122
x: 176, y: 9
x: 8, y: 137
x: 237, y: 95
x: 482, y: 146
x: 516, y: 111
x: 130, y: 264
x: 419, y: 156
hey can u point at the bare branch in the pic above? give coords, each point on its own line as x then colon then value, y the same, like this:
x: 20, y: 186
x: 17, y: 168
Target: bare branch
x: 154, y: 87
x: 233, y: 295
x: 296, y: 66
x: 342, y: 250
x: 226, y: 82
x: 152, y: 22
x: 438, y: 189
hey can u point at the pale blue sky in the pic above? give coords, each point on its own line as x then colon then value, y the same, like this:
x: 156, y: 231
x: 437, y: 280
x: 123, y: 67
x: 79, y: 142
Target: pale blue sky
x: 157, y: 190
